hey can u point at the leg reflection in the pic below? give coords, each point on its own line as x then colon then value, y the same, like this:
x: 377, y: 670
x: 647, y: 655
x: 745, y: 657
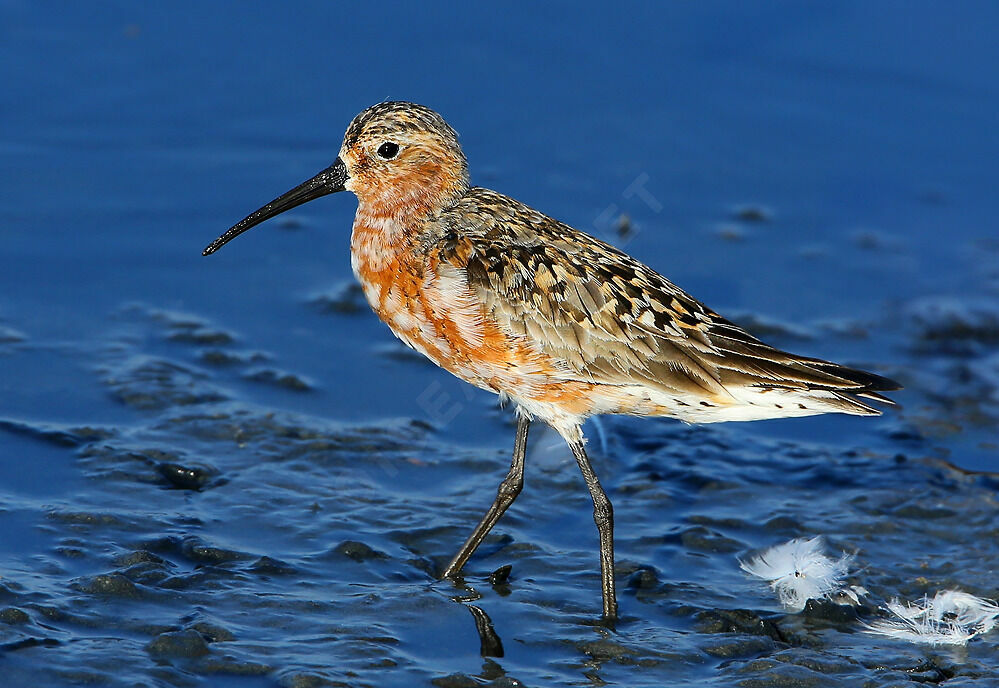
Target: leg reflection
x: 490, y: 644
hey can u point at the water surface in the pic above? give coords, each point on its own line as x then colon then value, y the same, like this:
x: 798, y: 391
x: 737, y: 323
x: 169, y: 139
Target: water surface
x: 226, y: 472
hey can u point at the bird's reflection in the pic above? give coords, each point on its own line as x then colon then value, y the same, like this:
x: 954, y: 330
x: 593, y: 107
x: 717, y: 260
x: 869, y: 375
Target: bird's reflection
x: 490, y: 644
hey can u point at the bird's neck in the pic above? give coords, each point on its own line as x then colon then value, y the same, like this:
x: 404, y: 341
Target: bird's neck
x: 378, y: 240
x: 409, y: 200
x: 388, y: 222
x: 386, y: 261
x: 391, y: 221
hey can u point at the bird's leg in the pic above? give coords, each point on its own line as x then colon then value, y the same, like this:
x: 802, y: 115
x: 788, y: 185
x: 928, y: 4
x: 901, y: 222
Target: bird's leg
x: 507, y: 492
x: 603, y: 516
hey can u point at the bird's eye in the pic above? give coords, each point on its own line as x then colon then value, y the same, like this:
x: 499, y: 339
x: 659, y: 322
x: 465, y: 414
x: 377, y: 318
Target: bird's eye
x: 388, y: 150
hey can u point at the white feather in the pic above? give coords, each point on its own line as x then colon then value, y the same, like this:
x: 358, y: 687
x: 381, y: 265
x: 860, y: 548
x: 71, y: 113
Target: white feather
x: 799, y: 571
x: 950, y: 617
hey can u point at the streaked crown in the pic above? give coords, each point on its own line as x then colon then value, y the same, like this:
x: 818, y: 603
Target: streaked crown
x: 403, y: 157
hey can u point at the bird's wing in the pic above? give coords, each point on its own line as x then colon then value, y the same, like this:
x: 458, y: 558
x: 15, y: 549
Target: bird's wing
x: 609, y: 318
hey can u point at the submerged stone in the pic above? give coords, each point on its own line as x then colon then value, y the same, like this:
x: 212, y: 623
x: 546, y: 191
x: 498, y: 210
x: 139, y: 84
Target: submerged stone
x: 112, y: 585
x: 180, y: 644
x: 186, y: 477
x: 14, y: 616
x: 358, y: 551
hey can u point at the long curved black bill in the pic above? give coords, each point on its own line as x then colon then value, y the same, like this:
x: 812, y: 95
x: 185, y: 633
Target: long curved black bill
x: 326, y: 182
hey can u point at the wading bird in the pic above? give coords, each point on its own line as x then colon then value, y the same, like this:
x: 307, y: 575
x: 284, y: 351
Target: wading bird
x: 563, y: 325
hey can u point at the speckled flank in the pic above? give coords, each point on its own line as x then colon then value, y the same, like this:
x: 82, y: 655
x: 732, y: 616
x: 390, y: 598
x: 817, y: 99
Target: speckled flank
x: 563, y: 324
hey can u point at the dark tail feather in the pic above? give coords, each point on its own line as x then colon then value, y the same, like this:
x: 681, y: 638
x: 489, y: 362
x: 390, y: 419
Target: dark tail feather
x: 866, y: 382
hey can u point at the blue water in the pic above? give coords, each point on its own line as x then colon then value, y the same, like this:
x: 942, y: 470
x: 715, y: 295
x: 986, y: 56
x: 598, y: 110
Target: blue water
x: 860, y: 138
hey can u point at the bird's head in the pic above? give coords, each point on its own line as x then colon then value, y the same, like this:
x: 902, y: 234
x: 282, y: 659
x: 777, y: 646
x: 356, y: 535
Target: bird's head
x: 400, y: 160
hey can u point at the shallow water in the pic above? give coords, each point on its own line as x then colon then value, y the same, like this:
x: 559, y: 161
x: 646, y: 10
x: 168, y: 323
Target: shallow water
x: 225, y: 472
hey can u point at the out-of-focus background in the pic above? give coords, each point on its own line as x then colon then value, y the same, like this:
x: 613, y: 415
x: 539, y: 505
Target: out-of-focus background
x: 225, y: 471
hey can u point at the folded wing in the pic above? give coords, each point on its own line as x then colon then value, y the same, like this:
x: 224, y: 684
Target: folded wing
x: 612, y: 320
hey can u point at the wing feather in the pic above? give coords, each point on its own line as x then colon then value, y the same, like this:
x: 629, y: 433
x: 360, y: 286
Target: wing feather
x: 611, y: 319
